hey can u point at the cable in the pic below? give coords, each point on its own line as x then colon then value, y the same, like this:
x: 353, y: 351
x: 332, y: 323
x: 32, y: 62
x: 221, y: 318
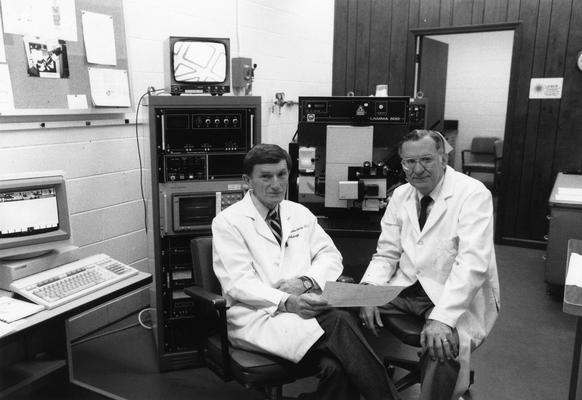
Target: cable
x: 139, y: 318
x: 87, y: 339
x: 145, y: 209
x: 123, y: 328
x: 150, y: 91
x: 295, y: 135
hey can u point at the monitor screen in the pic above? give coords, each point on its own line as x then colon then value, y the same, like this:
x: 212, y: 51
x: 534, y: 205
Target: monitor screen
x: 198, y: 65
x: 28, y: 212
x: 200, y: 61
x: 34, y: 215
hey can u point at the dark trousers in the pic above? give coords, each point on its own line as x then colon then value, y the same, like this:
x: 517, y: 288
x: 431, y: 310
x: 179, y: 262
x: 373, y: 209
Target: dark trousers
x: 345, y: 363
x: 438, y: 379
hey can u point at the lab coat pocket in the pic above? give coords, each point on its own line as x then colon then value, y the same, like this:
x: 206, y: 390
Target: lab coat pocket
x: 447, y: 250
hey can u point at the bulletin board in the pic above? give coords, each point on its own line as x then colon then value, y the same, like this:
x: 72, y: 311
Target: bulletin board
x: 45, y: 94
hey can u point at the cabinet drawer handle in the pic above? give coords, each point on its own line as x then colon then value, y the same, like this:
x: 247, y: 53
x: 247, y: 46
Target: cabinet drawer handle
x: 548, y: 217
x: 544, y: 257
x: 546, y: 238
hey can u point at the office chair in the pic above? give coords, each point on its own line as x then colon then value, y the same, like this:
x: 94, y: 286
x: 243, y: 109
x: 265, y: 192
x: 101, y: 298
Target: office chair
x: 406, y: 328
x: 251, y: 369
x: 482, y: 157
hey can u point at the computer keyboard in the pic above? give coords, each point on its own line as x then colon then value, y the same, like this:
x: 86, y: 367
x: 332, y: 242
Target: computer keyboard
x: 70, y: 281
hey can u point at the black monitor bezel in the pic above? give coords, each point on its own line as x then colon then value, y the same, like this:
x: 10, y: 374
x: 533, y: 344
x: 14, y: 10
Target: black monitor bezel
x: 11, y: 244
x: 177, y: 87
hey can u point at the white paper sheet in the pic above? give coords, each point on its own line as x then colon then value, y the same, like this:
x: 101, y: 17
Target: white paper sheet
x: 109, y: 87
x: 54, y: 19
x: 576, y: 198
x: 77, y: 101
x: 570, y: 190
x: 339, y: 294
x: 574, y: 276
x: 12, y: 309
x: 99, y: 38
x: 6, y: 97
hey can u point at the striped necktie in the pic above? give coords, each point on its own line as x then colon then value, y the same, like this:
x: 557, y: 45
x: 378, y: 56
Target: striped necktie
x: 275, y: 224
x: 424, y: 203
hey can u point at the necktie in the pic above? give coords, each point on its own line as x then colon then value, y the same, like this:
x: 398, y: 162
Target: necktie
x: 424, y: 203
x: 275, y: 224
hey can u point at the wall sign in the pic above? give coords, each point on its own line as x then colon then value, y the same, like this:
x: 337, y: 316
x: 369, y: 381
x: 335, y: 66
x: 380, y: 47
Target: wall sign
x: 546, y: 88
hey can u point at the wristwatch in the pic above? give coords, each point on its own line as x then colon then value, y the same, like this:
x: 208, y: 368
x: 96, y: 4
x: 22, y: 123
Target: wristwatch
x: 307, y: 283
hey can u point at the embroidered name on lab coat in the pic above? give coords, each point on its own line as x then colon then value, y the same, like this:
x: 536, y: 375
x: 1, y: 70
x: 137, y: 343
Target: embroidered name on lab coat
x: 295, y: 232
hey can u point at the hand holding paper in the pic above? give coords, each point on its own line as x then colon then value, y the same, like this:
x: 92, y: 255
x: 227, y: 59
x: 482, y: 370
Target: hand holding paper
x: 339, y: 294
x: 307, y: 305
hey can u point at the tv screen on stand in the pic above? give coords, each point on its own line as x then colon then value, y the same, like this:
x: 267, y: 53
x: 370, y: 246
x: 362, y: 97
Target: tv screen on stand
x: 198, y: 65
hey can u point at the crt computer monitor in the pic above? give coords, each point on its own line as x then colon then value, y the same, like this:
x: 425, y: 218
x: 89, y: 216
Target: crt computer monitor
x: 198, y: 65
x: 34, y: 216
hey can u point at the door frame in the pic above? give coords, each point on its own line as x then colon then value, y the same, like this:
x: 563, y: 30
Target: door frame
x: 418, y: 33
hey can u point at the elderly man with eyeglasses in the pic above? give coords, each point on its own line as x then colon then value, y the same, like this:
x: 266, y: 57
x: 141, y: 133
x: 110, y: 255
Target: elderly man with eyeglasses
x: 437, y: 241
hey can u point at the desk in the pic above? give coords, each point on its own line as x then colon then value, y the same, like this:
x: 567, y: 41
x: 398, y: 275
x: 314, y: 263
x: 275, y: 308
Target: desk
x: 39, y: 346
x: 565, y: 223
x: 572, y: 305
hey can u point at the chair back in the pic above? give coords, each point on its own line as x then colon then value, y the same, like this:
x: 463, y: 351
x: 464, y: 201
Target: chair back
x: 201, y: 248
x: 483, y: 145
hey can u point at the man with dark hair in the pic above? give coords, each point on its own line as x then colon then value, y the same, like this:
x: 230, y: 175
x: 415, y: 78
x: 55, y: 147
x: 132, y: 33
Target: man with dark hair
x: 272, y: 260
x: 437, y: 240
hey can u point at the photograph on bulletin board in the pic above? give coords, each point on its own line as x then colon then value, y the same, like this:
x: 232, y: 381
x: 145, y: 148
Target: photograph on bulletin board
x: 46, y: 58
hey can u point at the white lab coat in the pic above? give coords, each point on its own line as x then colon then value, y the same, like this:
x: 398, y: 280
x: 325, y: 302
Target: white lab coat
x: 248, y: 262
x: 453, y: 258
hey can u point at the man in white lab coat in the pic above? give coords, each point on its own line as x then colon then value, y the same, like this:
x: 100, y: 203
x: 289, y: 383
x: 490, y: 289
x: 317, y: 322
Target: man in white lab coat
x: 272, y: 260
x: 437, y: 240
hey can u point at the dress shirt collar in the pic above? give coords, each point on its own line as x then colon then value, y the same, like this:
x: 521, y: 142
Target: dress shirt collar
x: 263, y: 211
x: 435, y: 192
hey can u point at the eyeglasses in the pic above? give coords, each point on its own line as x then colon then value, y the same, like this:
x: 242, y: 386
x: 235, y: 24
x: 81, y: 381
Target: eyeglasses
x: 426, y: 161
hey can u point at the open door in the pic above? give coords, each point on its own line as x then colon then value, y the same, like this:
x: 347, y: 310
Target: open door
x: 432, y: 79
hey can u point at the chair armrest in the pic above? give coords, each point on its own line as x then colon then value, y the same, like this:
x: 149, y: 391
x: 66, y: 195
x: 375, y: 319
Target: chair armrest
x: 207, y: 297
x: 222, y: 367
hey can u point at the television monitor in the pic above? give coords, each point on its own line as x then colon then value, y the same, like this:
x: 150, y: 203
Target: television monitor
x: 198, y: 65
x: 34, y: 216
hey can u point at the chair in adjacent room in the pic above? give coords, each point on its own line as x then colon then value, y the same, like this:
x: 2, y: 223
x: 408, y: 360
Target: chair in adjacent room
x: 483, y: 157
x: 498, y: 158
x: 251, y: 369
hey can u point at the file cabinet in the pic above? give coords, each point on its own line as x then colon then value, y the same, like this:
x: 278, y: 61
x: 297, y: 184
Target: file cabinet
x: 565, y: 223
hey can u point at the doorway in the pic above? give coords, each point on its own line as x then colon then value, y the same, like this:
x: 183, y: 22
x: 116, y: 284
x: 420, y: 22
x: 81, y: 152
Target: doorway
x: 477, y: 85
x: 478, y: 81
